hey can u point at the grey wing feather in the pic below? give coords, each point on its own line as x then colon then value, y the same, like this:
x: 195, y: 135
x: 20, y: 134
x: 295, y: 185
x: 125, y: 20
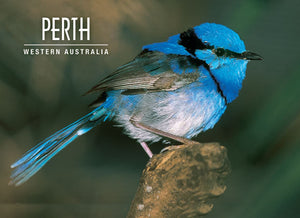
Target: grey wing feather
x: 148, y: 72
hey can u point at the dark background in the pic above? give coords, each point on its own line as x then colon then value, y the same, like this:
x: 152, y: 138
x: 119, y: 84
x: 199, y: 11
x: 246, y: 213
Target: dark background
x: 97, y: 175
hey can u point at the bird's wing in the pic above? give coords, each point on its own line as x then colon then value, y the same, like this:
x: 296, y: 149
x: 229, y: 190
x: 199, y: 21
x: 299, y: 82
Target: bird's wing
x: 151, y: 71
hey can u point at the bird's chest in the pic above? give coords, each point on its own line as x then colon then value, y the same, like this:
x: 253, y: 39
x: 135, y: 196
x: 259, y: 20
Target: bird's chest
x: 190, y: 110
x: 184, y: 112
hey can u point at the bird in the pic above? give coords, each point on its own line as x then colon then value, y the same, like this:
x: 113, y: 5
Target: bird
x: 171, y: 90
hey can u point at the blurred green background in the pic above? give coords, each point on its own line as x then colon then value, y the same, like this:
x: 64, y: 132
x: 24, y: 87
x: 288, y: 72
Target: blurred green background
x: 97, y: 175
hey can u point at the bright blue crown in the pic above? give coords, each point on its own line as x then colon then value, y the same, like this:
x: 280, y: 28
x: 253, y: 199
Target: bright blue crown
x: 220, y: 36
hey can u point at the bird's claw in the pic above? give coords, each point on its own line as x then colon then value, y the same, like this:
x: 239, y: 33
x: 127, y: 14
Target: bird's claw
x: 170, y: 148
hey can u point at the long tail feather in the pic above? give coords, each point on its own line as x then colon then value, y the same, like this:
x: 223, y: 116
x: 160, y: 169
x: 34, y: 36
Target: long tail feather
x: 34, y: 159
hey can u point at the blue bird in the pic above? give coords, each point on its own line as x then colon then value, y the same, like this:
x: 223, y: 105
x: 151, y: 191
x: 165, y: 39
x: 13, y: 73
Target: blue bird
x: 171, y: 90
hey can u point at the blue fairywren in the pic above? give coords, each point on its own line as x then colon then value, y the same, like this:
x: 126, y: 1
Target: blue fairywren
x: 171, y: 90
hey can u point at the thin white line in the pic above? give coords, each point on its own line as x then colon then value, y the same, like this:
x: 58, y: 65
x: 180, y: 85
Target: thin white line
x: 65, y: 44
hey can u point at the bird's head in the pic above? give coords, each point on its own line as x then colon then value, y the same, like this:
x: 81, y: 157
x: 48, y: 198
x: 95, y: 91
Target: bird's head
x: 223, y: 51
x: 219, y: 47
x: 217, y: 43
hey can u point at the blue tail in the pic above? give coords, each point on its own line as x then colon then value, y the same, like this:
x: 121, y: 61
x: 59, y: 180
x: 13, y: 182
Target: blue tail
x: 34, y: 159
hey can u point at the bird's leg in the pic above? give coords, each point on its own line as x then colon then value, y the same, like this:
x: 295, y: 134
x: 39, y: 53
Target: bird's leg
x: 146, y: 149
x: 162, y: 133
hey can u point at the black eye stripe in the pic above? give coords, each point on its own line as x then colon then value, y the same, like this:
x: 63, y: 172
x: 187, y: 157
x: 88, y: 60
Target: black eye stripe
x: 191, y: 42
x: 226, y: 53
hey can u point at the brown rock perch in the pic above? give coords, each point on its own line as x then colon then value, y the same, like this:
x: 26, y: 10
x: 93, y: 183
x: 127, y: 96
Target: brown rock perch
x: 181, y: 182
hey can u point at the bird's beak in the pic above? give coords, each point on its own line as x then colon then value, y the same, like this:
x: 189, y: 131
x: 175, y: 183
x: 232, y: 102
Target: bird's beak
x: 248, y: 55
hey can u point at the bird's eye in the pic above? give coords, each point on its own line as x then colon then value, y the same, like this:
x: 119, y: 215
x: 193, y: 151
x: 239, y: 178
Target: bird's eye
x: 219, y: 51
